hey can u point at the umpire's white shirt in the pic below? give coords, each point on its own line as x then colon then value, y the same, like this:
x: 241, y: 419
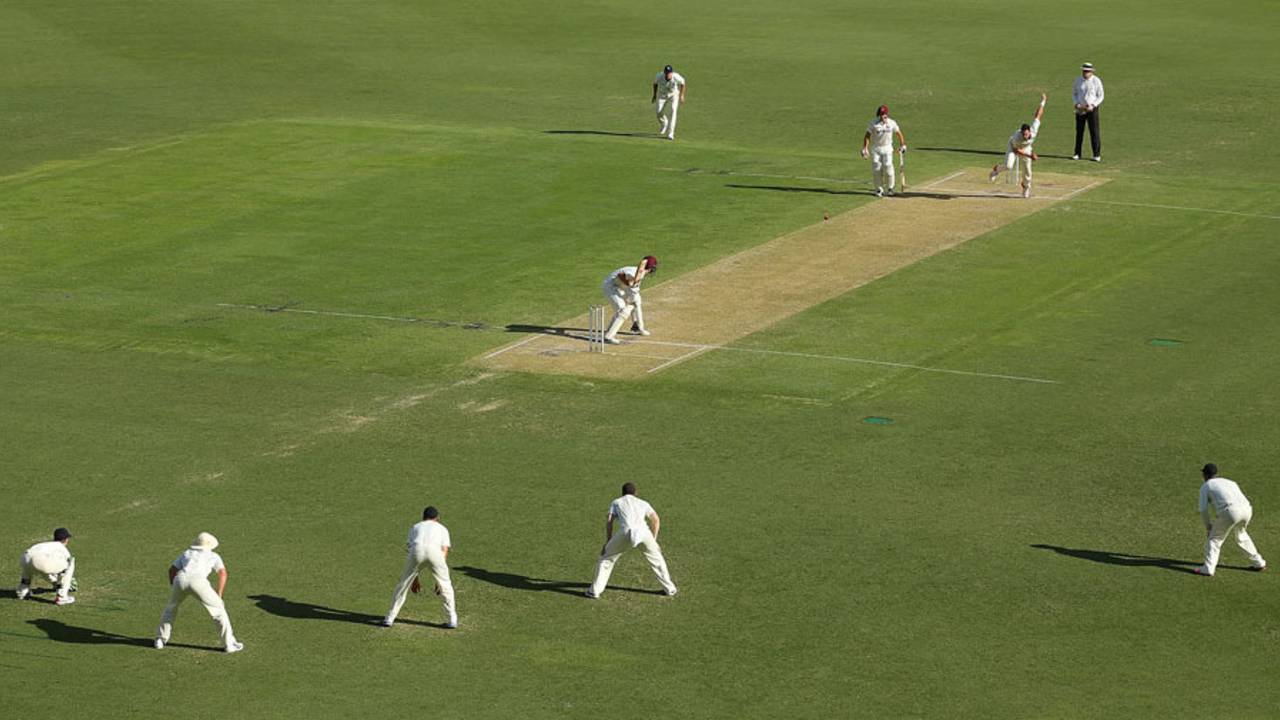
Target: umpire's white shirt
x: 1087, y: 92
x: 1223, y: 493
x: 198, y: 563
x: 50, y: 557
x: 429, y: 536
x: 669, y: 88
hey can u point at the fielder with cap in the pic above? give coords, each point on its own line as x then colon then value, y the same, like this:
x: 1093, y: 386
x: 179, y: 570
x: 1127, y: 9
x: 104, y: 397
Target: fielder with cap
x: 879, y: 140
x: 622, y: 290
x: 428, y: 545
x: 1233, y: 515
x: 1020, y: 146
x: 668, y: 96
x: 638, y: 527
x: 52, y: 560
x: 189, y: 575
x: 1087, y: 95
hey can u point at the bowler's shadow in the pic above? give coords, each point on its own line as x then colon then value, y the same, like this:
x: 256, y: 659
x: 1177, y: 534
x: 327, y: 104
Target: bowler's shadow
x: 1127, y: 560
x: 609, y: 133
x: 522, y: 582
x: 283, y: 607
x: 62, y: 632
x: 828, y: 191
x: 546, y: 330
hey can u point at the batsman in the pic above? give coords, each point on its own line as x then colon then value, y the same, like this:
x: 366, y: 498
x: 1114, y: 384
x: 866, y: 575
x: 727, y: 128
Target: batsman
x: 622, y: 290
x: 877, y: 144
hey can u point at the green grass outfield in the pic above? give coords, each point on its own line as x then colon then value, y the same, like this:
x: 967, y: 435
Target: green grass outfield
x: 163, y: 160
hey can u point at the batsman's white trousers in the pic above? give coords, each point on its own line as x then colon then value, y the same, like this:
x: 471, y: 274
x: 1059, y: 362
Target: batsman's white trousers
x: 625, y: 302
x: 185, y: 585
x: 417, y: 560
x: 622, y: 542
x: 1235, y: 518
x: 51, y: 568
x: 668, y: 107
x: 1011, y: 160
x: 882, y: 175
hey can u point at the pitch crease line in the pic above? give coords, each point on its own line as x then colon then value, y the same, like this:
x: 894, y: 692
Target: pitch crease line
x: 681, y: 358
x: 844, y: 358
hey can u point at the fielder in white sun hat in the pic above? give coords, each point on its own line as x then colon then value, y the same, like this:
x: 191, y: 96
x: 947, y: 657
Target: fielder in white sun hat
x: 204, y: 541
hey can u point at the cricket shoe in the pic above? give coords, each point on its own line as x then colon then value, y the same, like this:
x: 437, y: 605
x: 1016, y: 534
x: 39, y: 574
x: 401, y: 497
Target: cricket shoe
x: 879, y: 192
x: 1075, y: 157
x: 451, y: 625
x: 64, y: 600
x: 590, y: 595
x: 890, y: 192
x: 385, y: 623
x: 995, y: 171
x: 158, y: 644
x: 1026, y: 192
x: 670, y: 593
x: 24, y: 592
x: 1258, y: 568
x: 1202, y: 573
x: 1097, y: 158
x: 613, y: 341
x: 234, y: 647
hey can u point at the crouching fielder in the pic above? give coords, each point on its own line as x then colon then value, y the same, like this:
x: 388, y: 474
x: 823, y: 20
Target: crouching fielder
x: 877, y: 144
x: 53, y: 561
x: 639, y: 528
x: 189, y: 575
x: 429, y: 545
x: 1234, y: 513
x: 1020, y: 146
x: 622, y: 290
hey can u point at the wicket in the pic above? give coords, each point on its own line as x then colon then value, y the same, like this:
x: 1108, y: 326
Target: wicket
x: 595, y: 328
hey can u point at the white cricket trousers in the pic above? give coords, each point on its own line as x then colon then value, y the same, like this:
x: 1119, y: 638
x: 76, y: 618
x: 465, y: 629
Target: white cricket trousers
x: 882, y: 175
x: 184, y: 586
x: 1234, y: 518
x: 33, y: 565
x: 625, y: 302
x: 418, y: 560
x: 1011, y: 161
x: 668, y: 107
x: 623, y: 541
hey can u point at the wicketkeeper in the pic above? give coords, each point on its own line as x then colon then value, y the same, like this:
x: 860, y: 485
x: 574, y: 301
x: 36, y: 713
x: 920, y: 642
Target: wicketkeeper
x: 53, y: 561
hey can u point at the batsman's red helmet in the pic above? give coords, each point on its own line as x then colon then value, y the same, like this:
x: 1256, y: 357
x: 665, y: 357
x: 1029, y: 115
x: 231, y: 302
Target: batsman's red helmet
x: 882, y: 110
x: 650, y: 263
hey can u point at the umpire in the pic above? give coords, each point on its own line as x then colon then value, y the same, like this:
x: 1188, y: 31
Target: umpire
x: 1087, y: 95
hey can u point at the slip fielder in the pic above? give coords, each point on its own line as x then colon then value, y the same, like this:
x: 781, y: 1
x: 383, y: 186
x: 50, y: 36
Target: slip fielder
x: 638, y: 527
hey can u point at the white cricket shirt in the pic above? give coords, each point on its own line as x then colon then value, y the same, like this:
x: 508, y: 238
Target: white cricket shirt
x: 630, y: 511
x: 429, y: 534
x: 669, y: 88
x: 1017, y: 141
x: 199, y: 563
x: 882, y: 133
x: 1222, y: 493
x: 50, y: 557
x: 1087, y: 92
x: 614, y: 282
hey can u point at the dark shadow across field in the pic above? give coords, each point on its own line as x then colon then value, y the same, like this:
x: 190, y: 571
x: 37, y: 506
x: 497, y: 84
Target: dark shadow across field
x: 970, y: 151
x: 283, y: 607
x: 828, y: 191
x: 609, y: 133
x: 544, y: 330
x: 1127, y: 560
x: 522, y: 582
x: 62, y: 632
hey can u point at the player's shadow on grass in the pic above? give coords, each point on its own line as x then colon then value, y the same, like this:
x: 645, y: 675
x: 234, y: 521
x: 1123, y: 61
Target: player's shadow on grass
x: 283, y: 607
x: 62, y: 632
x: 546, y: 330
x: 522, y: 582
x: 1127, y: 560
x: 610, y: 133
x: 828, y: 191
x: 970, y: 151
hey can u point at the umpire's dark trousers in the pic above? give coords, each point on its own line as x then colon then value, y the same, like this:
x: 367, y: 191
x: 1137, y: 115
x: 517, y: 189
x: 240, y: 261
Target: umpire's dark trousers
x: 1095, y: 138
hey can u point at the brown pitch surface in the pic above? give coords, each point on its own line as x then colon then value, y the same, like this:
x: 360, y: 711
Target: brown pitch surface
x: 753, y: 289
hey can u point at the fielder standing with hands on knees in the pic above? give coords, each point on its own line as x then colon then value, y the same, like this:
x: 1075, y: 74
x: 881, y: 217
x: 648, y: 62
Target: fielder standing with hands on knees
x: 1234, y: 513
x: 877, y: 143
x: 1087, y: 95
x: 622, y: 290
x: 1020, y: 147
x: 189, y: 575
x: 638, y: 527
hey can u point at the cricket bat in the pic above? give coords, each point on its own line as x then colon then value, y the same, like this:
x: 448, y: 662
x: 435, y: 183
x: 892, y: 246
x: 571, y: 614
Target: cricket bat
x: 902, y: 169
